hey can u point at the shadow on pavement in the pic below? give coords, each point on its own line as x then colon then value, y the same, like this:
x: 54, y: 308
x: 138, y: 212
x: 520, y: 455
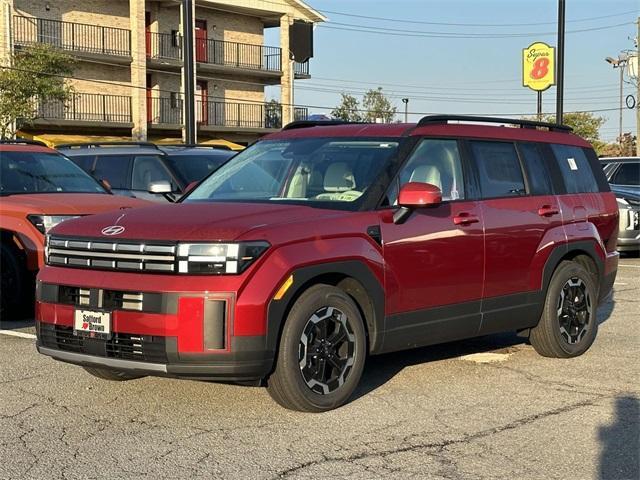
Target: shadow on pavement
x: 16, y: 324
x: 620, y: 458
x: 380, y: 369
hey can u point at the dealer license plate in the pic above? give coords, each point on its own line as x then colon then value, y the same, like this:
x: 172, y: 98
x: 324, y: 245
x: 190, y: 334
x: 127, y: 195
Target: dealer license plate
x: 92, y: 323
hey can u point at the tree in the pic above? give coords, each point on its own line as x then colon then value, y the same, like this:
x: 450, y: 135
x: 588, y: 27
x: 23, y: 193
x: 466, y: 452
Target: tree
x: 377, y: 105
x: 585, y: 124
x: 348, y: 110
x: 36, y: 75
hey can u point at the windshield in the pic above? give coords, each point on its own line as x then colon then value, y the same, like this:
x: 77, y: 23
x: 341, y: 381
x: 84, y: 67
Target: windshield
x: 193, y: 168
x: 310, y: 170
x: 41, y: 172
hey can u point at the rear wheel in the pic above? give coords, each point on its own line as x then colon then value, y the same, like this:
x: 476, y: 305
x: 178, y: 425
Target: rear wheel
x: 568, y: 325
x: 322, y: 352
x: 112, y: 375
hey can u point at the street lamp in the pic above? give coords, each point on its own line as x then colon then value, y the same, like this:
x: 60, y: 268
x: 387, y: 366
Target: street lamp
x: 406, y: 109
x: 619, y: 63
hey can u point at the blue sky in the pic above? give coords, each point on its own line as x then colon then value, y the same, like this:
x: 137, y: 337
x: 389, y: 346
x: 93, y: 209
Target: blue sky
x: 467, y: 75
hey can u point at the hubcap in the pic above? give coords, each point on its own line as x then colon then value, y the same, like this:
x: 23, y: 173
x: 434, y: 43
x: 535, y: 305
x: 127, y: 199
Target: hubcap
x: 574, y: 310
x: 326, y: 351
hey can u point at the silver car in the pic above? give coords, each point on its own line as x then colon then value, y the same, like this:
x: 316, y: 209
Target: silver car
x: 623, y: 175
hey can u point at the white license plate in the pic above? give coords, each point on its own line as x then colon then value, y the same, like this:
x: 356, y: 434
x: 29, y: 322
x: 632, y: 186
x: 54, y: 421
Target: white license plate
x: 92, y: 323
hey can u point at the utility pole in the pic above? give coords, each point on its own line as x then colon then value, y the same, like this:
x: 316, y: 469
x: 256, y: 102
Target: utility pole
x: 406, y: 109
x: 620, y: 63
x: 560, y: 87
x: 188, y: 73
x: 638, y: 91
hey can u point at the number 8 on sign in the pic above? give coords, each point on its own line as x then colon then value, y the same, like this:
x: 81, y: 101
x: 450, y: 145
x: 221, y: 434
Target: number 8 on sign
x: 540, y: 68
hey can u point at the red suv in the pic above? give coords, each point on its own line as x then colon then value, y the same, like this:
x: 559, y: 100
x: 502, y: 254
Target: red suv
x: 327, y: 242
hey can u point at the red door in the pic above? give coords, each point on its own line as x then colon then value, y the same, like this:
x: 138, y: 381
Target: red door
x: 434, y: 261
x: 201, y: 41
x: 202, y: 96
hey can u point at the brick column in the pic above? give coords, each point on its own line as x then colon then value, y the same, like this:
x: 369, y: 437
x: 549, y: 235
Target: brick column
x: 6, y: 27
x: 138, y: 70
x: 286, y: 97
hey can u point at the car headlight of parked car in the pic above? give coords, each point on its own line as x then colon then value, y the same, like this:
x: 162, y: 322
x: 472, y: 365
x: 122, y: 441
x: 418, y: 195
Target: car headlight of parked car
x: 218, y: 258
x: 44, y: 223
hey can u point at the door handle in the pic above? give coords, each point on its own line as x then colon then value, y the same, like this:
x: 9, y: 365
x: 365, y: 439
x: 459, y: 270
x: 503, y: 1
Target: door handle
x: 548, y: 211
x: 465, y: 218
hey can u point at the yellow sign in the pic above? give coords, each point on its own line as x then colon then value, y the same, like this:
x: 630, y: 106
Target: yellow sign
x: 538, y: 66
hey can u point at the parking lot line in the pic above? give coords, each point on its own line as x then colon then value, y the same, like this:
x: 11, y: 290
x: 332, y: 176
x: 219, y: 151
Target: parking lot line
x: 627, y: 265
x: 11, y: 333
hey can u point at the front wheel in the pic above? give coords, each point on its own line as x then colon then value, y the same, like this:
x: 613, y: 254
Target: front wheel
x: 322, y: 352
x: 568, y: 325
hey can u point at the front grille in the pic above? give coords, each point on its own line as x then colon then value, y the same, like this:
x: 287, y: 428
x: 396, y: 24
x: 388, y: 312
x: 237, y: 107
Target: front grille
x: 112, y: 255
x: 141, y: 348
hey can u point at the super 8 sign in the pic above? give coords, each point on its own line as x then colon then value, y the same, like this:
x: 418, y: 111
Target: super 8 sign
x: 538, y: 66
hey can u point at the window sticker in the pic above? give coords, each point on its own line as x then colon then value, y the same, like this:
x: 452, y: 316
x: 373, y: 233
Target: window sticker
x: 572, y: 163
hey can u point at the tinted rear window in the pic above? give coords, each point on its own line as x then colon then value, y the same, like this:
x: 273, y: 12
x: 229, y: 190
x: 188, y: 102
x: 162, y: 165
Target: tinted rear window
x: 499, y: 169
x: 537, y: 173
x: 575, y: 169
x: 627, y: 174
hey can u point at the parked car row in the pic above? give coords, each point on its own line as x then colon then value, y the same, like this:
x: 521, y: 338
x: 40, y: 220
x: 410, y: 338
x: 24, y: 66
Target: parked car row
x: 326, y: 243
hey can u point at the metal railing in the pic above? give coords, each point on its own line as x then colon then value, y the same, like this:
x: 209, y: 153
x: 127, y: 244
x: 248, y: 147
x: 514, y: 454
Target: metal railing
x: 239, y: 55
x: 240, y: 115
x: 164, y: 110
x: 75, y: 37
x: 300, y: 113
x: 301, y: 68
x: 164, y: 45
x: 87, y: 107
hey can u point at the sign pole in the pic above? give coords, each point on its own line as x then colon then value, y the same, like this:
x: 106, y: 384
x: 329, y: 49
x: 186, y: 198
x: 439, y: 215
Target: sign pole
x: 539, y: 106
x: 560, y: 87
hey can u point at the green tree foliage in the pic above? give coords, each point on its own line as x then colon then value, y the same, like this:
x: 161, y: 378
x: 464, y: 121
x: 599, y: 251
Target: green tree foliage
x: 348, y: 110
x: 377, y: 106
x: 35, y: 73
x: 585, y: 124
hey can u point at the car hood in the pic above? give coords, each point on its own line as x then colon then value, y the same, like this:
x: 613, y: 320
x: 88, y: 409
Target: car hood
x: 212, y: 221
x: 627, y: 192
x: 68, y: 203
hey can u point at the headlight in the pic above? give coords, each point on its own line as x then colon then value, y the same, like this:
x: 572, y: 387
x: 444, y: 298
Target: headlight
x: 44, y: 223
x: 218, y: 258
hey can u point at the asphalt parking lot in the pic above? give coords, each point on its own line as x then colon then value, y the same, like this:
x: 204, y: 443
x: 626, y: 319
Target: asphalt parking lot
x: 485, y: 408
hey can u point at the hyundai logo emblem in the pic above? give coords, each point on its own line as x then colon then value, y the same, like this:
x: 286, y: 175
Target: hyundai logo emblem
x: 113, y: 230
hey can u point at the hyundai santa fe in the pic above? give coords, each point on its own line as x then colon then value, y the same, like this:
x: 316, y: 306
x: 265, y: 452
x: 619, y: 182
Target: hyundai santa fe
x: 325, y: 243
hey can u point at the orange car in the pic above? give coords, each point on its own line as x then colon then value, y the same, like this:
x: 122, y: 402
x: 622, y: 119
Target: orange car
x: 39, y: 188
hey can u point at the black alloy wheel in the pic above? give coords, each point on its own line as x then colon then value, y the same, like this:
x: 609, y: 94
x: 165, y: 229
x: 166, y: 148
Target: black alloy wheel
x: 574, y: 310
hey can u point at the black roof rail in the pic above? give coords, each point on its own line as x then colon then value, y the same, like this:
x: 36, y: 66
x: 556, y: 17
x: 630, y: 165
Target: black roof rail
x: 105, y: 144
x: 435, y: 119
x: 318, y: 123
x: 193, y: 145
x: 22, y: 141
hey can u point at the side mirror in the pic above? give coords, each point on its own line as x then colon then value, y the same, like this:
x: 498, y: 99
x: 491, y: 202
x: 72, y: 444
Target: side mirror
x: 159, y: 187
x: 416, y: 195
x: 106, y: 185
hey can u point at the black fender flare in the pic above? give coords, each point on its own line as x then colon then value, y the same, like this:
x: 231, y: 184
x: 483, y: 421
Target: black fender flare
x: 303, y: 278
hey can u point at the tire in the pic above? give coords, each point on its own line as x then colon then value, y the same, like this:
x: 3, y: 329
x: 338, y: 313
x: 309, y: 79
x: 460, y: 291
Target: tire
x: 568, y: 326
x: 321, y: 313
x: 13, y: 284
x: 111, y: 375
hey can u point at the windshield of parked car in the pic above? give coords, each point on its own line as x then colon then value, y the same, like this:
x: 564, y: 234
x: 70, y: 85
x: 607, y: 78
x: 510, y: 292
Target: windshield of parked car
x: 193, y: 168
x: 309, y: 170
x: 41, y: 172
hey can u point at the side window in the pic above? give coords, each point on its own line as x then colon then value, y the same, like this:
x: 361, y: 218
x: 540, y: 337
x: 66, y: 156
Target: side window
x: 537, y: 173
x: 499, y: 169
x: 113, y: 169
x: 627, y: 174
x: 437, y: 162
x: 147, y: 169
x: 575, y: 168
x: 84, y: 162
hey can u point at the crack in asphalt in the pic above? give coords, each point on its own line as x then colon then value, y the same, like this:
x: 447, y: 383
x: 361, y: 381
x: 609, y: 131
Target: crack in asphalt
x: 438, y: 446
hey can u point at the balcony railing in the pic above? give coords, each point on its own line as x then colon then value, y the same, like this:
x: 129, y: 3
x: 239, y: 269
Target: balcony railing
x: 164, y: 110
x: 239, y: 55
x: 301, y: 69
x: 300, y: 113
x: 75, y: 37
x: 164, y: 46
x: 87, y: 107
x: 238, y: 115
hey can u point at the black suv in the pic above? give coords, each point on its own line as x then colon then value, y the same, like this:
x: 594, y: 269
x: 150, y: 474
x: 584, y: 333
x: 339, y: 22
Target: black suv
x: 144, y: 170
